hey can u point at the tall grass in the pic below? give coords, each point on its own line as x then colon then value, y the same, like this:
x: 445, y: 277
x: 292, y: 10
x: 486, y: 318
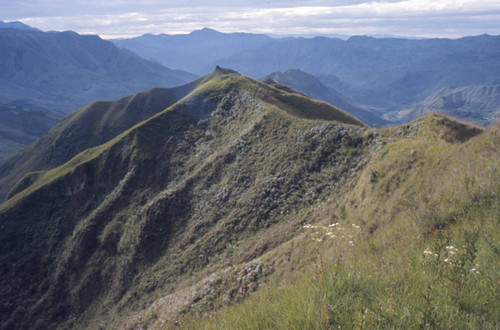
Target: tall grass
x: 447, y: 281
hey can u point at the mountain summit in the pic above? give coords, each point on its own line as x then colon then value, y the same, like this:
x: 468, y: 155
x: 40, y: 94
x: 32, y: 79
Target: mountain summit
x: 122, y: 187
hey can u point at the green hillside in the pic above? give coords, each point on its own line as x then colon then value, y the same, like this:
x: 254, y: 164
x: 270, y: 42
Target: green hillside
x: 88, y: 127
x: 248, y: 205
x: 413, y: 243
x: 168, y: 201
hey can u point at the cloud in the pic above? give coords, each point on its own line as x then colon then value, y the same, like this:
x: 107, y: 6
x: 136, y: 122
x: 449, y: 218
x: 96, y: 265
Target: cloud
x: 113, y: 18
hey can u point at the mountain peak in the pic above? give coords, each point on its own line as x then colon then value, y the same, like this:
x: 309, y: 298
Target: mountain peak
x: 16, y: 25
x: 205, y: 31
x: 220, y: 70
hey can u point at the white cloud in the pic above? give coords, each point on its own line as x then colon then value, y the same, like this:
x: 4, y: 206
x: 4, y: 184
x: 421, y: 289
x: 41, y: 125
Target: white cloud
x: 447, y: 18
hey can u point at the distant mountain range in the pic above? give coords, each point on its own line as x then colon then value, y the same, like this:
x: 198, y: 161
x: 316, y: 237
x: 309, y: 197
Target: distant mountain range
x: 478, y: 104
x: 383, y: 74
x: 64, y: 70
x: 380, y: 81
x: 197, y: 52
x: 46, y: 75
x: 16, y: 25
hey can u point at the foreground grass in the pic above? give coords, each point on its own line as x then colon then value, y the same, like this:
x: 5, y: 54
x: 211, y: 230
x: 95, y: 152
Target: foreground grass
x: 449, y: 280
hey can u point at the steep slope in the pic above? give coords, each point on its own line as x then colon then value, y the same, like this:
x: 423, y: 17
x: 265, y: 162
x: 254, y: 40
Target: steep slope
x: 413, y: 243
x: 21, y: 125
x: 88, y: 127
x: 169, y: 201
x: 62, y: 71
x: 194, y: 52
x: 478, y: 104
x: 312, y: 87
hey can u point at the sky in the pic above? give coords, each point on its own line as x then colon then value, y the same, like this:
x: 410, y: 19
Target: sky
x: 126, y: 18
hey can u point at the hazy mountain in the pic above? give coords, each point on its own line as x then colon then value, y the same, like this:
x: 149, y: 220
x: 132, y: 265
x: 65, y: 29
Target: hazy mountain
x: 381, y: 73
x: 312, y: 87
x: 478, y: 104
x: 386, y: 74
x: 194, y: 52
x: 16, y: 25
x: 62, y: 71
x: 201, y: 195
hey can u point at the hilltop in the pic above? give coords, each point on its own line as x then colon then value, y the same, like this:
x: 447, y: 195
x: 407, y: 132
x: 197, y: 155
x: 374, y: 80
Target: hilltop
x: 141, y: 199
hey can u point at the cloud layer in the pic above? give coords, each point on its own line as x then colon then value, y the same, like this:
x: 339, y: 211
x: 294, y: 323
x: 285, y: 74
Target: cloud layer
x: 125, y: 18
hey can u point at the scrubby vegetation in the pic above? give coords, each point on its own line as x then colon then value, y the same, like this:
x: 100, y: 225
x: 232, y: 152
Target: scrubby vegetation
x: 426, y: 254
x: 239, y: 207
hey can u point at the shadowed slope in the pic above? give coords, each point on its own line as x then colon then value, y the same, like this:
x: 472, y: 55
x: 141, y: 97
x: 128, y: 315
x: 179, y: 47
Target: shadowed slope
x: 90, y: 126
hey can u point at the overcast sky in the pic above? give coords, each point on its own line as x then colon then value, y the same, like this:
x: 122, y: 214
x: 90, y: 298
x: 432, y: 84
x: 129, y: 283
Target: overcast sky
x: 126, y: 18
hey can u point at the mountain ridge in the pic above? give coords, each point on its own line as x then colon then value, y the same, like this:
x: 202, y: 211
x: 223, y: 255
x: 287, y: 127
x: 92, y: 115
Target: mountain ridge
x: 65, y: 70
x: 383, y: 74
x: 204, y: 200
x: 205, y: 131
x: 72, y: 133
x: 195, y: 52
x: 74, y: 138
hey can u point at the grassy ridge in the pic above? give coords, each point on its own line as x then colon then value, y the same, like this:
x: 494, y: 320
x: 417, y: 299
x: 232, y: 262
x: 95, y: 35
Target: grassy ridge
x: 426, y: 253
x: 240, y: 186
x: 166, y: 203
